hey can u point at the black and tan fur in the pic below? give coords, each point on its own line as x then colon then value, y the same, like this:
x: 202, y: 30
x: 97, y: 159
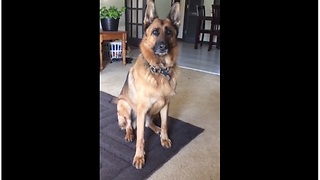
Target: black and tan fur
x: 152, y: 80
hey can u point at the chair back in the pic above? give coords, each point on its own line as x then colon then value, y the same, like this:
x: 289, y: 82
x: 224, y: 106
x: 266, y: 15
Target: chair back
x: 201, y: 11
x: 215, y: 23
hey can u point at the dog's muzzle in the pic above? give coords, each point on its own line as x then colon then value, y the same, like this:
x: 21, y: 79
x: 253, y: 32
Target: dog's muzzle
x: 161, y: 48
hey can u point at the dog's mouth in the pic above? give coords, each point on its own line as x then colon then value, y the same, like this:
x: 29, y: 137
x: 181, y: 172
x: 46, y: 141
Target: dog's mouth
x: 161, y: 48
x: 162, y: 52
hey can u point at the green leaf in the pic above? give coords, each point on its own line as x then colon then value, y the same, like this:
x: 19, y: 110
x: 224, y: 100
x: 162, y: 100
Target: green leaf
x: 111, y: 12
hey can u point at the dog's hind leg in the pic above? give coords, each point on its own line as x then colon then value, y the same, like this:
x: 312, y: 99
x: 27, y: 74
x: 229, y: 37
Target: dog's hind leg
x: 124, y: 118
x: 151, y: 125
x: 155, y: 128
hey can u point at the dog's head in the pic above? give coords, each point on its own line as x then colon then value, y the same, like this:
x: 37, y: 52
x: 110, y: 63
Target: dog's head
x: 160, y: 35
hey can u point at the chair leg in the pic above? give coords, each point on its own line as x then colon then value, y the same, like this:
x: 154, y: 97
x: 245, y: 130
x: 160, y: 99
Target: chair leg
x: 218, y: 42
x: 203, y: 27
x: 202, y: 35
x: 210, y: 41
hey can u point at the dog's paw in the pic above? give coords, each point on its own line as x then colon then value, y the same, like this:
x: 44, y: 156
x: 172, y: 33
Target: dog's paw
x: 122, y: 123
x: 138, y: 161
x: 166, y: 143
x: 129, y: 137
x: 122, y: 126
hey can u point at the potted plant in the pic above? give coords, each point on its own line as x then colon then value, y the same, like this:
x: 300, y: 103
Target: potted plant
x: 109, y: 17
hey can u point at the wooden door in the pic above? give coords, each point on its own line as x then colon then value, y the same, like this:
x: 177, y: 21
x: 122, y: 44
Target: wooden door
x: 134, y: 15
x: 190, y: 20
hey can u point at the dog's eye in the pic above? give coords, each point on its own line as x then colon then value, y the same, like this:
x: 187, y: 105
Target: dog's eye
x: 168, y: 31
x: 155, y: 32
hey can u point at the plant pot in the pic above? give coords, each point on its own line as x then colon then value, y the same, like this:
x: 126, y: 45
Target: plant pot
x: 110, y: 24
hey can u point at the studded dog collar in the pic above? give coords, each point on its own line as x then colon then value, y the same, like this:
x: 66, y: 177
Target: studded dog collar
x: 154, y: 69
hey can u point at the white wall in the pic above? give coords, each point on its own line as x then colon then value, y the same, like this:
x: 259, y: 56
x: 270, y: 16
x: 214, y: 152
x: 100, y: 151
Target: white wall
x: 163, y: 8
x: 182, y: 6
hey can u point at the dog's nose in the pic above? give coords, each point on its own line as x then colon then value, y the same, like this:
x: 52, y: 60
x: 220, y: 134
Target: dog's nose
x: 162, y: 46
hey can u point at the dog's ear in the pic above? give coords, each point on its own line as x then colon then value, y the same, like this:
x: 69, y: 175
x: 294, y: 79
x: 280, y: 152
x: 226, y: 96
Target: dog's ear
x: 174, y: 14
x: 150, y: 14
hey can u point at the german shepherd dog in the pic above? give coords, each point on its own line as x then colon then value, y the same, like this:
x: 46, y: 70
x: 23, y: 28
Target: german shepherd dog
x: 152, y: 80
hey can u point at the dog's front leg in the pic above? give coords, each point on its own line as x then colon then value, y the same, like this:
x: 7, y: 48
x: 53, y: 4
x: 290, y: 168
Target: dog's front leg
x: 165, y: 141
x: 138, y: 160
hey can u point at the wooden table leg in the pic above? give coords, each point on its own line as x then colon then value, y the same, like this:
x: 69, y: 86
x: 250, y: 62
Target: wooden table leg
x: 101, y: 54
x: 124, y: 54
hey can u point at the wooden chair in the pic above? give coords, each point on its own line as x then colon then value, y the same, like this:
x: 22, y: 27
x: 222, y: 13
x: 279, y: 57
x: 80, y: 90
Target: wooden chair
x: 201, y: 23
x: 215, y: 26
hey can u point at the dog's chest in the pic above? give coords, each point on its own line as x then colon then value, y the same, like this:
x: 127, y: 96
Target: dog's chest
x: 157, y: 104
x: 160, y: 98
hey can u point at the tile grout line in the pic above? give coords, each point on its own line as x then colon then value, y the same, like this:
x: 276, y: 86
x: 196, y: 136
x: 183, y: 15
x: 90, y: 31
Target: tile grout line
x: 200, y: 70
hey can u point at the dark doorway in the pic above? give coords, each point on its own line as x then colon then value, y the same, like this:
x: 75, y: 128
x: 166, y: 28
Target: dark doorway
x: 190, y: 20
x: 135, y: 10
